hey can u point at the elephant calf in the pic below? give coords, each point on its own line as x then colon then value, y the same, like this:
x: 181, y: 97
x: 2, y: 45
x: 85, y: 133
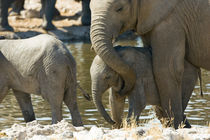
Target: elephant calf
x: 40, y: 65
x: 145, y: 91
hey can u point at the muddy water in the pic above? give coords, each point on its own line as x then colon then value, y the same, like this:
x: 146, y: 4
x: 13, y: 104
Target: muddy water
x: 198, y: 110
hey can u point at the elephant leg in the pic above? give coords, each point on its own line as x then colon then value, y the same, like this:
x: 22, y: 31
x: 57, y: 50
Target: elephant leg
x: 134, y: 109
x: 190, y: 77
x: 189, y: 80
x: 3, y: 92
x: 86, y: 13
x: 137, y: 101
x: 186, y: 122
x: 4, y: 25
x: 56, y: 108
x: 17, y: 6
x: 117, y: 103
x: 24, y: 101
x: 55, y: 100
x: 70, y: 99
x: 48, y: 7
x: 56, y: 13
x: 168, y: 44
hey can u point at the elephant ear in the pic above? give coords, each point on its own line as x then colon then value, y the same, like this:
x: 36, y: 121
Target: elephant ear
x: 152, y: 12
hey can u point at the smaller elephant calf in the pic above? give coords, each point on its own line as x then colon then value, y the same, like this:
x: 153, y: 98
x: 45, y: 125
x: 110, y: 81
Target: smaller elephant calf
x: 145, y: 91
x: 40, y: 65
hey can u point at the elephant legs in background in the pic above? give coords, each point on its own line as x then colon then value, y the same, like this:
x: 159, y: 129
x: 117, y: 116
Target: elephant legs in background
x: 56, y: 12
x: 4, y: 25
x: 48, y: 11
x: 48, y: 7
x: 117, y: 103
x: 24, y: 101
x: 86, y: 13
x: 17, y: 6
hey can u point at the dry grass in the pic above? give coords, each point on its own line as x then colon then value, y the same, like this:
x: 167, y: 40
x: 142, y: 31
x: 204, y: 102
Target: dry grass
x: 3, y: 135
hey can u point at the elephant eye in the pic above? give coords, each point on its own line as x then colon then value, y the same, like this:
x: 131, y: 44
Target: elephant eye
x: 119, y: 9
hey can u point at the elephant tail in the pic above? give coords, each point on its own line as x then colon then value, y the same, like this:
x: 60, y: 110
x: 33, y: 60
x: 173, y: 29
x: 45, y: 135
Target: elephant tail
x: 71, y: 79
x: 201, y: 83
x: 84, y: 93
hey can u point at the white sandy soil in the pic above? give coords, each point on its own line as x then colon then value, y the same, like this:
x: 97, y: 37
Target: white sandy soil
x: 64, y: 130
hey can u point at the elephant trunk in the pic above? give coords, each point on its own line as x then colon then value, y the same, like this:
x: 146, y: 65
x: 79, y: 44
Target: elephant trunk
x: 97, y: 92
x: 102, y: 33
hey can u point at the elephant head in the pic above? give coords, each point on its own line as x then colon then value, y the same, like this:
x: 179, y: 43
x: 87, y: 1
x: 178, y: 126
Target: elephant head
x: 112, y: 17
x: 103, y: 78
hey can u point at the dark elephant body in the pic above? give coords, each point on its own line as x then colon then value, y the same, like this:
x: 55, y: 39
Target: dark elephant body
x: 145, y: 91
x: 40, y: 65
x: 176, y: 30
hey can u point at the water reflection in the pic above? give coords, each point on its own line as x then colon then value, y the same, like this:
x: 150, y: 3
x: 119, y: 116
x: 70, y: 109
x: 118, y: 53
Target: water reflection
x: 198, y: 109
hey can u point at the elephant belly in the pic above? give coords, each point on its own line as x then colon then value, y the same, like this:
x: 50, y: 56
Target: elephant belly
x: 199, y: 55
x: 198, y: 48
x: 27, y: 85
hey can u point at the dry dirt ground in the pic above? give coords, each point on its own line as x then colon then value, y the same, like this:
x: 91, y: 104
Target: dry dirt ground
x: 65, y: 131
x: 68, y: 25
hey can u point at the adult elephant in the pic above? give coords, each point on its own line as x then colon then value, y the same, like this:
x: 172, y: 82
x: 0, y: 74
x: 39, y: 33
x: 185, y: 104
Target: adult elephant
x: 177, y: 28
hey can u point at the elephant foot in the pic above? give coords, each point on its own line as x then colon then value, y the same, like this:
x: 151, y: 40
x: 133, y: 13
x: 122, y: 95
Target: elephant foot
x: 29, y: 116
x: 117, y: 126
x: 86, y: 19
x: 6, y: 28
x: 48, y: 26
x: 77, y: 122
x: 57, y: 13
x: 14, y: 13
x: 186, y: 123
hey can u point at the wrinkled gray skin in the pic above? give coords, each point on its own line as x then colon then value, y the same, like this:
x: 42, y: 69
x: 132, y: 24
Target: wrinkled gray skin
x: 145, y: 91
x: 178, y: 29
x: 40, y: 65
